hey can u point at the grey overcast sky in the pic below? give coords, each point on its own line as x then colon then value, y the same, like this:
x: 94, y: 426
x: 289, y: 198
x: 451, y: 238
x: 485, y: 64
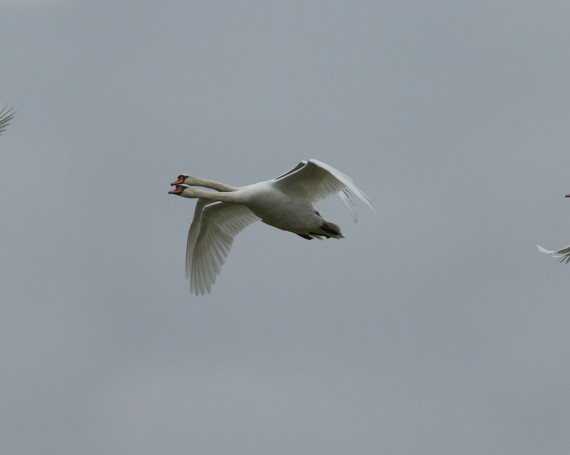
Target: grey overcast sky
x: 435, y: 327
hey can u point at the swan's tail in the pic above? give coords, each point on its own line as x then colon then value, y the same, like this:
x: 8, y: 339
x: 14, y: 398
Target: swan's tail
x: 330, y: 230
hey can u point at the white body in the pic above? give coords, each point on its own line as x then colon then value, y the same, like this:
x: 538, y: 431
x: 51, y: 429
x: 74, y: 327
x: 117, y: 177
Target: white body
x: 278, y: 209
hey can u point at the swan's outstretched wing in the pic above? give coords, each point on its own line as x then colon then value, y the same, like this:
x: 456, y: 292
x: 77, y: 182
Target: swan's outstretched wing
x: 316, y: 180
x: 563, y: 254
x: 6, y: 115
x: 219, y: 223
x: 193, y: 232
x: 299, y: 166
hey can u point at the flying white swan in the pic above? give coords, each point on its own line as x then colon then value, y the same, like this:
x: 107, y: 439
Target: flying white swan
x: 285, y: 202
x: 563, y: 254
x: 6, y: 115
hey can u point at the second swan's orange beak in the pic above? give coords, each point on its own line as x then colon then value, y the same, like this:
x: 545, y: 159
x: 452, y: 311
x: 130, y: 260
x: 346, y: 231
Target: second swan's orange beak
x: 178, y: 181
x: 177, y: 190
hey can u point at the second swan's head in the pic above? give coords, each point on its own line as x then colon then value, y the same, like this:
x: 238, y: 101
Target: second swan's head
x: 179, y: 188
x: 183, y: 190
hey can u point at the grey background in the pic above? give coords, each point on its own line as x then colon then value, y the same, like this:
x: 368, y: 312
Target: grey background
x: 435, y: 327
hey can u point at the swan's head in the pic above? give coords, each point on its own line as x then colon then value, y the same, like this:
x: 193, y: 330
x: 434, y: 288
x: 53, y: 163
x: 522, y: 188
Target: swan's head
x: 180, y: 187
x: 184, y: 179
x: 184, y: 190
x: 568, y: 195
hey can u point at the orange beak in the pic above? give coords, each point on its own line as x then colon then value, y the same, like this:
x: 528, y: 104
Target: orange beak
x: 177, y: 190
x: 178, y: 181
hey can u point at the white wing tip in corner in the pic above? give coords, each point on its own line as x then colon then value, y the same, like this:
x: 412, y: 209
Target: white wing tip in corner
x: 544, y: 250
x: 563, y: 254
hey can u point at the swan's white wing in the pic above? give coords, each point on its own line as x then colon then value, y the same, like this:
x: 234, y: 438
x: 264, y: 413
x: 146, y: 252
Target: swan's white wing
x: 193, y: 232
x: 299, y: 166
x: 316, y: 180
x: 6, y: 115
x: 563, y: 254
x: 219, y: 224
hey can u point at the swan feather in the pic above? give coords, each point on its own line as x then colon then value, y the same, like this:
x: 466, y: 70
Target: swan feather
x: 6, y: 115
x: 562, y: 254
x: 218, y: 224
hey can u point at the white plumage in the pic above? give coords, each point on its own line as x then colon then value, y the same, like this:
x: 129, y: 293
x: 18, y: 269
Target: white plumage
x: 285, y: 202
x: 562, y: 254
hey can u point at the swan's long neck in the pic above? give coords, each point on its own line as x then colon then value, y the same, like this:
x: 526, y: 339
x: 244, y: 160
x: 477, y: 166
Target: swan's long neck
x: 207, y: 183
x: 233, y: 196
